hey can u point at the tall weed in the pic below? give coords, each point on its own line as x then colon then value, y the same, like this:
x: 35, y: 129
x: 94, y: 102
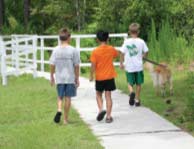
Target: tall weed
x: 166, y: 45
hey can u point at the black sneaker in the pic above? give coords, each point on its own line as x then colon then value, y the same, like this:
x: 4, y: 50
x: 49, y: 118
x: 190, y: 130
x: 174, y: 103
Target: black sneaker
x: 137, y: 104
x: 57, y: 117
x: 132, y: 99
x: 101, y: 115
x: 109, y: 120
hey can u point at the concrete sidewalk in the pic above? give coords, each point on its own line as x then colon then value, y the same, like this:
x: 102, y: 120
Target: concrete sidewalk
x: 133, y: 127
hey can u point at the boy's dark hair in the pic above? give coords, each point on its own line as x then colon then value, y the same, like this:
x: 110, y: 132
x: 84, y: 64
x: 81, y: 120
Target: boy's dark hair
x: 102, y: 35
x: 64, y: 34
x: 134, y: 28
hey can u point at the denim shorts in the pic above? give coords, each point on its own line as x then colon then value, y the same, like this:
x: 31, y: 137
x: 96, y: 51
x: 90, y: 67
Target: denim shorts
x: 66, y: 90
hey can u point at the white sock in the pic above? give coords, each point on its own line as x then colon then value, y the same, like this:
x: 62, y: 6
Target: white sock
x: 59, y: 110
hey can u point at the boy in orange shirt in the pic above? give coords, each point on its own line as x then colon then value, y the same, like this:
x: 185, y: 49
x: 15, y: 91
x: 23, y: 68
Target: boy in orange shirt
x: 102, y: 65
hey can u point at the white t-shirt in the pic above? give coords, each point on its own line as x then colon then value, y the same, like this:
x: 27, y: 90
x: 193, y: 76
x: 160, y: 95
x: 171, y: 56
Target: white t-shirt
x: 65, y: 59
x: 133, y: 49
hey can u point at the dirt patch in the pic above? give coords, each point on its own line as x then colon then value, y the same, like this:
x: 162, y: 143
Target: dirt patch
x: 180, y: 67
x: 191, y: 66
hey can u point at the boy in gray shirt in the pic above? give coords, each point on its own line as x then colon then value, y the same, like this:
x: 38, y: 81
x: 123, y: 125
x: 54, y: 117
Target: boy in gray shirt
x: 64, y: 62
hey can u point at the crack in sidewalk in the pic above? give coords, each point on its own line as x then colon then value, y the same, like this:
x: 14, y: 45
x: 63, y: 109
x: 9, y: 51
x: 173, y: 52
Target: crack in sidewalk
x: 144, y: 132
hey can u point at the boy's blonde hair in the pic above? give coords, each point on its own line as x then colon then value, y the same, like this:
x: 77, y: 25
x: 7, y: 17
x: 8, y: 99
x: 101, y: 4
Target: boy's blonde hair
x: 134, y: 28
x: 64, y: 34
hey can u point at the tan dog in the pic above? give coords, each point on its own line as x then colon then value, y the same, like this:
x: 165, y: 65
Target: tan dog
x: 161, y: 76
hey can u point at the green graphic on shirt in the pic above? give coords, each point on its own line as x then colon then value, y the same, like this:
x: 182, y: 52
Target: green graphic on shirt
x: 133, y: 51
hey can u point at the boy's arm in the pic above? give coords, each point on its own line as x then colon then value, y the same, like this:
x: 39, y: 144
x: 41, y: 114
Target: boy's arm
x: 76, y: 62
x: 122, y: 53
x: 76, y: 71
x: 52, y: 68
x: 121, y: 60
x: 145, y: 55
x: 52, y: 71
x: 116, y: 53
x: 145, y: 50
x: 92, y: 70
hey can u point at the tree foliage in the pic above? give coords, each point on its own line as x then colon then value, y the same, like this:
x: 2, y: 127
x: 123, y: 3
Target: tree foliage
x: 1, y: 13
x: 47, y: 16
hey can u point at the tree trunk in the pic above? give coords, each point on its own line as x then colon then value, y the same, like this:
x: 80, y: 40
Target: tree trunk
x: 1, y: 13
x: 78, y: 14
x: 84, y: 13
x: 26, y: 12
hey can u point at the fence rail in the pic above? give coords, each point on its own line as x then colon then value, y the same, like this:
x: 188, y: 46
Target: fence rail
x: 30, y: 52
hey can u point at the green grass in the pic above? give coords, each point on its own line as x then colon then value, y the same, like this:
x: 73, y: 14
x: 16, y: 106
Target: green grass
x: 27, y: 107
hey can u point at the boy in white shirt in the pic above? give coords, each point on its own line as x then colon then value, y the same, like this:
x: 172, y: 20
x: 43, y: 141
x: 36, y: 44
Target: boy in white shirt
x: 133, y: 51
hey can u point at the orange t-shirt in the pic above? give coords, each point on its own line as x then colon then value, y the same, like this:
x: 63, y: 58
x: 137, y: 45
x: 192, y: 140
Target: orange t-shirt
x: 103, y: 57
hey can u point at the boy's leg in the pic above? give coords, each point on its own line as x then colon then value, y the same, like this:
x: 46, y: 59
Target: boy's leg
x: 108, y: 103
x: 70, y: 91
x: 138, y: 91
x: 131, y: 81
x: 99, y: 100
x: 137, y: 98
x: 139, y: 80
x: 99, y: 85
x: 58, y: 114
x: 109, y: 86
x: 66, y: 108
x: 60, y: 92
x: 130, y: 88
x: 131, y: 95
x: 59, y: 104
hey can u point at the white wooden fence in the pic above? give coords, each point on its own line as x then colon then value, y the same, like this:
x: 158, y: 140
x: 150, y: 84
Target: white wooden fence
x: 16, y: 52
x: 21, y: 53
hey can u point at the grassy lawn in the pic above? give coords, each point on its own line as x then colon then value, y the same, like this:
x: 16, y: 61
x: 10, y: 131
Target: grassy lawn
x: 27, y: 107
x: 180, y: 111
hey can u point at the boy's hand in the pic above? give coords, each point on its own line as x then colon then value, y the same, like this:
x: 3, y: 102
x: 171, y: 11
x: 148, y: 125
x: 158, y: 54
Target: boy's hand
x: 77, y: 82
x: 145, y: 55
x: 121, y: 66
x: 52, y: 81
x: 91, y: 78
x: 92, y: 70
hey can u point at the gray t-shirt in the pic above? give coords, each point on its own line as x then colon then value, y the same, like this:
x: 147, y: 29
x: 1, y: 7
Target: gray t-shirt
x: 65, y: 59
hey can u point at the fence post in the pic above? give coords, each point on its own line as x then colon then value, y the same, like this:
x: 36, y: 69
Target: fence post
x: 125, y: 37
x: 12, y: 51
x: 34, y: 44
x: 26, y: 54
x: 58, y: 40
x: 42, y: 54
x: 17, y: 64
x: 78, y: 45
x: 3, y: 62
